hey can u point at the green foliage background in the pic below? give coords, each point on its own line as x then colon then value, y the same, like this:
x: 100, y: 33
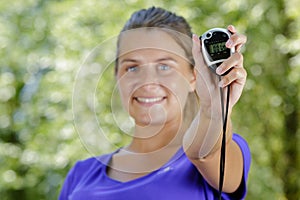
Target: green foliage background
x: 44, y: 43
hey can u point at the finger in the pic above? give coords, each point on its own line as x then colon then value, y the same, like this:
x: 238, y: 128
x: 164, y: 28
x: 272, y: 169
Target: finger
x: 204, y: 75
x: 235, y: 60
x: 196, y: 45
x: 236, y: 40
x: 200, y: 65
x: 237, y: 75
x: 196, y: 50
x: 231, y: 29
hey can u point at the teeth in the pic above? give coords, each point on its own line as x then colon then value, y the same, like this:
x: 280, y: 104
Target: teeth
x: 149, y: 100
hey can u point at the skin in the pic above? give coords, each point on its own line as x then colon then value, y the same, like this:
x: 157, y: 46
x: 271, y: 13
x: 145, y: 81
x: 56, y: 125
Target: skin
x: 154, y: 80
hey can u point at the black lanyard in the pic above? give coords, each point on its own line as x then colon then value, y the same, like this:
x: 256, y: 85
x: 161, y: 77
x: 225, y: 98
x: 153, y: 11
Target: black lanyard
x: 223, y: 146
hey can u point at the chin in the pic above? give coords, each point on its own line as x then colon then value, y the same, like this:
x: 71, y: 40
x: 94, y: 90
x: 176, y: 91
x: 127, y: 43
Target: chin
x: 147, y: 121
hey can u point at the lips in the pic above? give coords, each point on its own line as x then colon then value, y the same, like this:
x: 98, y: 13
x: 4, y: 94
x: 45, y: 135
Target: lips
x: 149, y: 100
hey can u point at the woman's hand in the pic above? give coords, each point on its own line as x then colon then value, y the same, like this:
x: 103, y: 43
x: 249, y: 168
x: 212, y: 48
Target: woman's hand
x: 202, y: 141
x: 207, y: 82
x: 203, y: 136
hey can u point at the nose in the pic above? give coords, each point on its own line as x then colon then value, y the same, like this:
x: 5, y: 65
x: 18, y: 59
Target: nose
x: 149, y: 79
x: 149, y: 74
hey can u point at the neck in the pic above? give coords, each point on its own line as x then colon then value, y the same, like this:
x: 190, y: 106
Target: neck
x: 152, y: 138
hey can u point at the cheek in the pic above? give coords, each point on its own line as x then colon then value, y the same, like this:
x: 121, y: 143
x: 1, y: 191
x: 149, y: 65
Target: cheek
x: 125, y: 91
x: 179, y: 88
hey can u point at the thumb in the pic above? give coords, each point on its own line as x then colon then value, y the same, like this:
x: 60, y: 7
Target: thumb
x: 197, y: 52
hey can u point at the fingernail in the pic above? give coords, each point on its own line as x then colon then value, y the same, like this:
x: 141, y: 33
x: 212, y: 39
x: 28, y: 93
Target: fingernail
x: 231, y: 27
x: 219, y: 70
x: 195, y: 37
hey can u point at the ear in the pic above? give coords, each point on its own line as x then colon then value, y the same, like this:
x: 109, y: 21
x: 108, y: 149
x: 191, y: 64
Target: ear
x: 192, y: 81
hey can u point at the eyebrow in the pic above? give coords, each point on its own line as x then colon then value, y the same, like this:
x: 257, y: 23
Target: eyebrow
x: 166, y: 59
x: 156, y: 61
x: 128, y: 60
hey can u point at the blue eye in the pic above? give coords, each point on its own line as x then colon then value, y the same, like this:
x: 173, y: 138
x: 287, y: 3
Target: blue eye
x: 132, y: 69
x: 164, y: 67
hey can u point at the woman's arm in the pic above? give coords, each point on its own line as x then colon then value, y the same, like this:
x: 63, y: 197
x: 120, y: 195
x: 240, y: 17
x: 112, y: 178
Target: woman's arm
x: 202, y: 142
x: 208, y: 164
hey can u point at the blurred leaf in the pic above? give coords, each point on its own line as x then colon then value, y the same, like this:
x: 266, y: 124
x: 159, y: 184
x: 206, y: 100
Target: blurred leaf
x: 44, y: 44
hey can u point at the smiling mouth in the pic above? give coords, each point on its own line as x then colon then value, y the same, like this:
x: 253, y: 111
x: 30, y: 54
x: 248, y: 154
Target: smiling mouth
x: 149, y: 100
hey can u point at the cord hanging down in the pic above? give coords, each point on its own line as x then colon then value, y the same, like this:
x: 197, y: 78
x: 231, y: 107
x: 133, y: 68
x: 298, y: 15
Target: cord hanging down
x: 223, y: 146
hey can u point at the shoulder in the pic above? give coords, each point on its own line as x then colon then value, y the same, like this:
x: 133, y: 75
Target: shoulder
x: 91, y: 161
x: 240, y: 193
x: 85, y: 163
x: 90, y: 164
x: 239, y: 140
x: 82, y: 169
x: 242, y: 143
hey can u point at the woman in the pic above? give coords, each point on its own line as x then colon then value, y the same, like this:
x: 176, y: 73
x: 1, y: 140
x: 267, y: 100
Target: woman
x: 175, y: 150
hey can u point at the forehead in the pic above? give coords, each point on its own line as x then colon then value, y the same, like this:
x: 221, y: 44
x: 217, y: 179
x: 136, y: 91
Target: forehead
x: 146, y: 38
